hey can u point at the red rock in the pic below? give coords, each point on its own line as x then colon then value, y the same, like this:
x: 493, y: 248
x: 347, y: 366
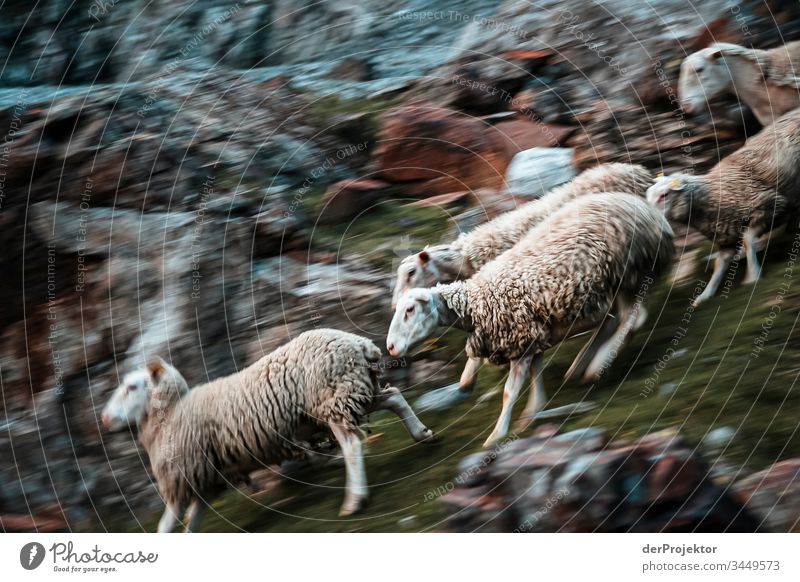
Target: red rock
x: 425, y: 142
x: 442, y: 199
x: 50, y: 520
x: 526, y: 133
x: 528, y: 55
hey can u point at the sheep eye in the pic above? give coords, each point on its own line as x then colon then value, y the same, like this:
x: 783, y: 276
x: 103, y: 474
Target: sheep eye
x: 132, y: 387
x: 411, y: 272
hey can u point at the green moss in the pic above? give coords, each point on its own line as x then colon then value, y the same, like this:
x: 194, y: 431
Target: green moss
x: 324, y: 111
x: 383, y: 234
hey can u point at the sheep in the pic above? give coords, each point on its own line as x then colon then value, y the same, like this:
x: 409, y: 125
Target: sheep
x: 743, y: 198
x: 199, y: 441
x: 596, y: 256
x: 763, y: 79
x: 470, y: 251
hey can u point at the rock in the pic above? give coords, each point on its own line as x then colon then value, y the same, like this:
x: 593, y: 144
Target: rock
x: 440, y: 200
x: 579, y: 482
x: 534, y: 172
x: 682, y: 141
x: 51, y: 520
x: 351, y: 68
x: 526, y: 133
x: 451, y: 150
x: 773, y: 495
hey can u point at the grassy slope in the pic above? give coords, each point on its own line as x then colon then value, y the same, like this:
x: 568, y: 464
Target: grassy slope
x: 716, y: 382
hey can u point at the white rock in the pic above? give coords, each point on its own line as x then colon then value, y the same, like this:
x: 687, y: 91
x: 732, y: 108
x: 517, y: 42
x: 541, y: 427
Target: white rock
x: 534, y: 172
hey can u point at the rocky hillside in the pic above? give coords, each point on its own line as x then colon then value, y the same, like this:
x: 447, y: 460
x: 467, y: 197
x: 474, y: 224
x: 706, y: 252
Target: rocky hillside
x: 206, y: 179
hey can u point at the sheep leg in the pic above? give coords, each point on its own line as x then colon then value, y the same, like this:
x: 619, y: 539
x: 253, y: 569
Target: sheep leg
x: 628, y: 317
x: 167, y: 522
x: 536, y: 398
x: 516, y: 378
x: 721, y: 264
x: 587, y: 353
x: 641, y: 318
x: 392, y: 400
x: 467, y: 380
x: 750, y: 243
x: 356, y: 477
x: 194, y: 515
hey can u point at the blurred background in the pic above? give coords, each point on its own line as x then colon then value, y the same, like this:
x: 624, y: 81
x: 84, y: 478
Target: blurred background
x: 204, y: 180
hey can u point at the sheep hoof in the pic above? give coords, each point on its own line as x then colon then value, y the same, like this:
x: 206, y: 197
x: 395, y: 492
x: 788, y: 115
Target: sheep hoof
x: 591, y: 376
x: 352, y: 506
x: 491, y: 441
x: 429, y: 437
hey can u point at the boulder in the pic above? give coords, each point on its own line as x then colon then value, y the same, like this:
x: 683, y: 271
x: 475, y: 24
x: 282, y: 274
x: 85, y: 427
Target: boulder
x: 534, y: 172
x: 527, y: 132
x: 580, y: 482
x: 425, y: 142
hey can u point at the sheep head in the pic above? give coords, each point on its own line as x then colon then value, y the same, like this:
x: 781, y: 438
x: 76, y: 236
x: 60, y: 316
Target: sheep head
x: 704, y: 75
x: 415, y: 319
x: 672, y: 195
x: 155, y: 385
x: 437, y: 264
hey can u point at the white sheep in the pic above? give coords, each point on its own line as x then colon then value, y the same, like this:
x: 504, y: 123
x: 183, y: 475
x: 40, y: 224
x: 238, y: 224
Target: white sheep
x: 597, y: 256
x: 471, y: 251
x: 203, y: 440
x: 766, y: 80
x: 741, y: 199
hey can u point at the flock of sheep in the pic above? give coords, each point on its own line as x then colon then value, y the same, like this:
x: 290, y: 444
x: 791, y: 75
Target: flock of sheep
x: 580, y: 258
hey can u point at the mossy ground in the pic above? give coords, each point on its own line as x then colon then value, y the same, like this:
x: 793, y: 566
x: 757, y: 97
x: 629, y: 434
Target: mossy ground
x: 714, y: 378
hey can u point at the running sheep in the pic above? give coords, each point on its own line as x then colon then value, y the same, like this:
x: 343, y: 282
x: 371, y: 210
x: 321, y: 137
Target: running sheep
x: 765, y: 80
x: 200, y: 441
x: 741, y: 199
x: 470, y: 251
x: 595, y: 257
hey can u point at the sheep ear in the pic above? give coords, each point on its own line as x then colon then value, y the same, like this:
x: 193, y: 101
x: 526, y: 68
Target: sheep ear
x: 156, y: 368
x: 422, y: 298
x: 424, y: 258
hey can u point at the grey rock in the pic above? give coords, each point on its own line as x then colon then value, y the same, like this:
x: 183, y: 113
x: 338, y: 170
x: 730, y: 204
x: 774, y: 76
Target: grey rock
x: 534, y: 172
